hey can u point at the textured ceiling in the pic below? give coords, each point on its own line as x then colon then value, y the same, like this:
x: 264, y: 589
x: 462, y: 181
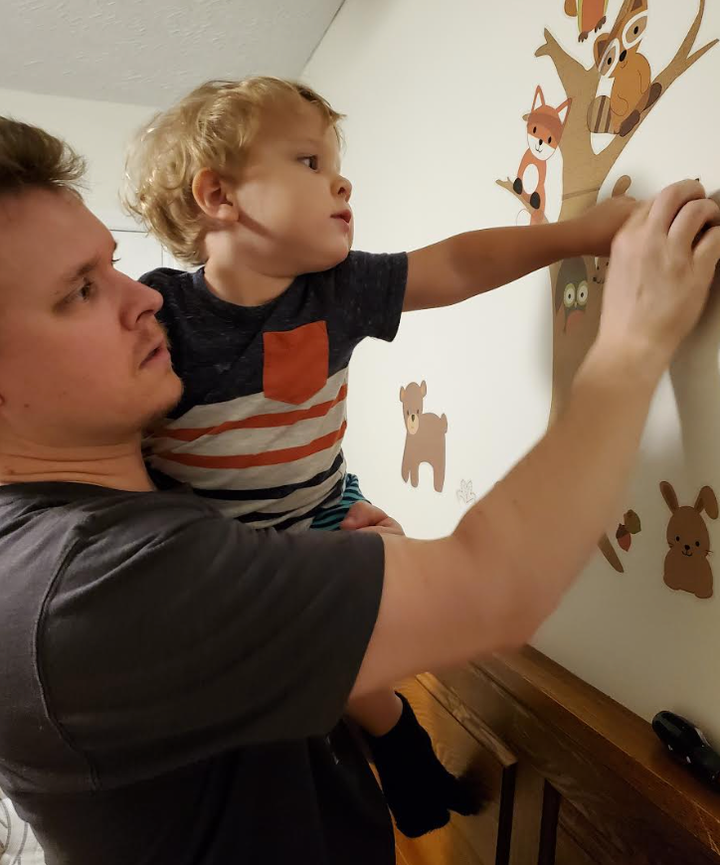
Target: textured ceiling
x: 151, y: 51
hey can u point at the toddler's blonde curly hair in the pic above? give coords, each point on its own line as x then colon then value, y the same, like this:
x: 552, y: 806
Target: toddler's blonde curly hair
x: 212, y: 127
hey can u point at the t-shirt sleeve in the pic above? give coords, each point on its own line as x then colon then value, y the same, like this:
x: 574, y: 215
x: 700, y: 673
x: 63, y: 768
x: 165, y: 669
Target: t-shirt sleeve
x: 175, y: 634
x: 370, y: 291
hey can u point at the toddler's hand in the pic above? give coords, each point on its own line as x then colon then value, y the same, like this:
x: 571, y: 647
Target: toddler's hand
x: 599, y: 225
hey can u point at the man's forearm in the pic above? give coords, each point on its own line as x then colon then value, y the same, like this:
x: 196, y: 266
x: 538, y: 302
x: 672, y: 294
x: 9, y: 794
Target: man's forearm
x: 507, y: 565
x: 549, y: 512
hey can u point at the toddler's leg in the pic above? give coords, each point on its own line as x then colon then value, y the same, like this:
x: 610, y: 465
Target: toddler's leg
x: 419, y: 790
x: 377, y: 713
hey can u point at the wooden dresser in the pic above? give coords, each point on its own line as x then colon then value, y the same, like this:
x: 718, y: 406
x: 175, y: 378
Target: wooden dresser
x: 570, y: 776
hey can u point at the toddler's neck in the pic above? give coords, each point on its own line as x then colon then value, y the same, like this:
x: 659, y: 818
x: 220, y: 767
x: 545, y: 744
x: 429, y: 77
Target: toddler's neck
x: 239, y: 285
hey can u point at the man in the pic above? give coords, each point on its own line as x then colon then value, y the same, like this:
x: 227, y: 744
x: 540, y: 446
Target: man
x: 173, y: 680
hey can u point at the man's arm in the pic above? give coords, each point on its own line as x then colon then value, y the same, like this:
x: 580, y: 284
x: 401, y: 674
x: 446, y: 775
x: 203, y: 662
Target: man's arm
x: 503, y: 571
x: 489, y: 585
x: 460, y: 267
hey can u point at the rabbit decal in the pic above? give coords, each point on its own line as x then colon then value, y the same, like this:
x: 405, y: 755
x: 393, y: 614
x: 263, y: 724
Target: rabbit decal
x: 686, y: 565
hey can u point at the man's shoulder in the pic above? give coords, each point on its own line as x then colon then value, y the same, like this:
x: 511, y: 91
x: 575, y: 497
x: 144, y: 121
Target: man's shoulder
x: 67, y: 550
x: 76, y: 553
x: 78, y: 516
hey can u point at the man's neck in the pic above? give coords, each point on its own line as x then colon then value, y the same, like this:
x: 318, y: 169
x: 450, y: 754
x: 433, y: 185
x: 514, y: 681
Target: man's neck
x: 117, y: 466
x: 236, y: 283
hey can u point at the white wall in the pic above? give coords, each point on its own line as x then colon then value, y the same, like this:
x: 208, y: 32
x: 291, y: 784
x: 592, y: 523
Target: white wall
x: 97, y: 130
x: 100, y: 131
x: 435, y: 94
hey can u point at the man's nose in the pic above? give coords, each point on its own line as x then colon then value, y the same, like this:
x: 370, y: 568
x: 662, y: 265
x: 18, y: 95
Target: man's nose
x: 139, y: 300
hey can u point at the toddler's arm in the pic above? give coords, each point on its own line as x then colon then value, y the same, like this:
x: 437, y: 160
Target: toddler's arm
x: 468, y: 264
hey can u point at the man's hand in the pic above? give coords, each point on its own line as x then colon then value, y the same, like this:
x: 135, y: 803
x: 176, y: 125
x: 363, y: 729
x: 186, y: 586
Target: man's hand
x: 367, y: 518
x: 598, y: 226
x: 661, y: 267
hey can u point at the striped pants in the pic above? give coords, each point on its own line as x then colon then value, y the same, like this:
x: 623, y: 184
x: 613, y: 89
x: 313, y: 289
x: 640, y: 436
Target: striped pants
x: 329, y: 519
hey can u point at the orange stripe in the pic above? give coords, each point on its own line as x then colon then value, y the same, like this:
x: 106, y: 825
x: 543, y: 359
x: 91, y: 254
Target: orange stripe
x: 246, y: 461
x: 261, y: 421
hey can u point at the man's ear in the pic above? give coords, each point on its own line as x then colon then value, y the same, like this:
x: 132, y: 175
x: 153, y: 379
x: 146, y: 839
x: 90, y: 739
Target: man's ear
x: 213, y: 196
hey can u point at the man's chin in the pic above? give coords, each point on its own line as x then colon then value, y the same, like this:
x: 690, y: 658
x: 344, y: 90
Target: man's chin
x: 159, y: 412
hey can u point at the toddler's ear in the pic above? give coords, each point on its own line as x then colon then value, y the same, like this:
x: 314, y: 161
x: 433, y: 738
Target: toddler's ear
x: 212, y: 197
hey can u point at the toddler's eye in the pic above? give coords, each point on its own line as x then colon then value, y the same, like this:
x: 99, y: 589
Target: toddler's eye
x: 310, y: 161
x: 86, y: 292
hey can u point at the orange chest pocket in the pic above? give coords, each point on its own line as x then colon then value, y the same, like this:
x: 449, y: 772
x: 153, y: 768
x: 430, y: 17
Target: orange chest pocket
x: 295, y: 363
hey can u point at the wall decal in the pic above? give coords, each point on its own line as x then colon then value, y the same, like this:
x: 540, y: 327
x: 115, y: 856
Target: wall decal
x: 465, y: 494
x: 571, y: 291
x: 585, y: 171
x: 601, y: 268
x: 425, y: 437
x: 545, y: 127
x: 618, y: 58
x: 630, y: 526
x: 590, y: 15
x: 622, y: 187
x: 687, y: 568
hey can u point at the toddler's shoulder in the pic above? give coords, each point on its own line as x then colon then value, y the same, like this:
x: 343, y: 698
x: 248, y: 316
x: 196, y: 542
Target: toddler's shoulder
x: 164, y: 278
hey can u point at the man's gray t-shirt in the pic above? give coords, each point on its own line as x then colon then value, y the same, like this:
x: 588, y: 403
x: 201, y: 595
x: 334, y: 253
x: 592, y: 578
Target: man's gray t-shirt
x: 172, y: 682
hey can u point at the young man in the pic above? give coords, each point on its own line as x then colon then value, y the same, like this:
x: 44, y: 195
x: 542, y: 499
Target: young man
x: 177, y: 679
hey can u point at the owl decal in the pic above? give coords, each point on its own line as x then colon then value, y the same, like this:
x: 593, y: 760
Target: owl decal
x: 571, y: 290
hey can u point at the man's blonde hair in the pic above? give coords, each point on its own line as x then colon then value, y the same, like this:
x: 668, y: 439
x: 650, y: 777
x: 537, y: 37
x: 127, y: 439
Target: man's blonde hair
x: 31, y: 158
x: 212, y: 127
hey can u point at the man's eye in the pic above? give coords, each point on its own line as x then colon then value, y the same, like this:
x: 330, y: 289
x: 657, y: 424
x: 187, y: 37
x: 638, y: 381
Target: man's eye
x: 310, y: 161
x: 115, y: 261
x: 83, y: 294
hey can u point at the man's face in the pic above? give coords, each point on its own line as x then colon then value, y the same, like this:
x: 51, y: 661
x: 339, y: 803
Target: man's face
x: 293, y: 199
x: 83, y: 360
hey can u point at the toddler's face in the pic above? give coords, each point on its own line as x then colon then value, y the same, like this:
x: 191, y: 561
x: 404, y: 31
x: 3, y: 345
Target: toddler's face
x: 293, y: 199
